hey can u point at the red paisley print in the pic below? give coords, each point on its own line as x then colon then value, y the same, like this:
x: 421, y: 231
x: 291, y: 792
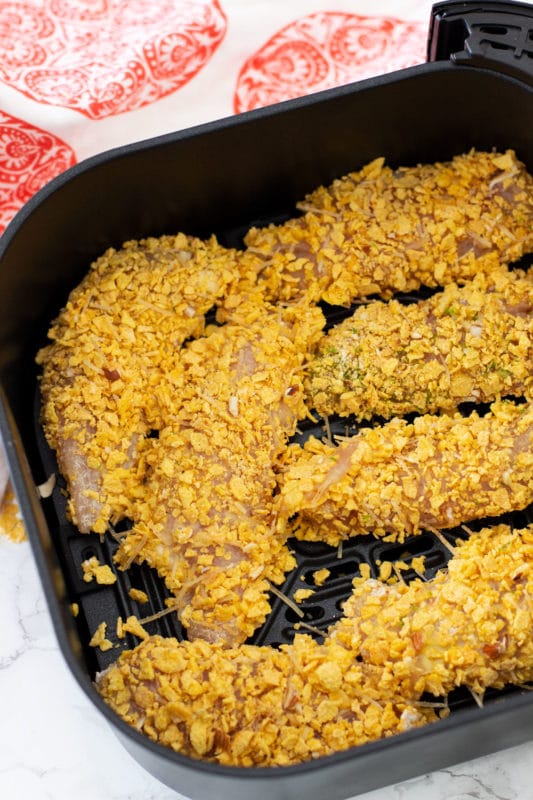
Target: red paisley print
x: 103, y: 57
x: 29, y: 158
x: 324, y: 50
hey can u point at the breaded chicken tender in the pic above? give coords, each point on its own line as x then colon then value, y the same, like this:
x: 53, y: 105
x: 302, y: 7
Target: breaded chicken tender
x: 204, y: 519
x: 180, y: 427
x: 401, y: 478
x: 258, y: 706
x: 469, y: 626
x: 379, y: 230
x: 254, y: 706
x: 469, y: 343
x: 112, y: 372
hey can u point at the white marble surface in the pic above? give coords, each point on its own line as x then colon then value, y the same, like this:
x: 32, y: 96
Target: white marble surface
x: 55, y: 746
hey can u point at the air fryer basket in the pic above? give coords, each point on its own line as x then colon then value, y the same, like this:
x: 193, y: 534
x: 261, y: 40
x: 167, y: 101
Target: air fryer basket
x: 221, y: 178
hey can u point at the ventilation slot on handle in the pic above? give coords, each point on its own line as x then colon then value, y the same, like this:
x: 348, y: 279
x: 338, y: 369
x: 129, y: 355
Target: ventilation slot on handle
x: 495, y: 35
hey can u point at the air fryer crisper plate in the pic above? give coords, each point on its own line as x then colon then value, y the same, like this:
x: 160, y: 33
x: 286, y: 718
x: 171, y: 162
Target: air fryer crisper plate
x: 98, y: 603
x: 220, y: 178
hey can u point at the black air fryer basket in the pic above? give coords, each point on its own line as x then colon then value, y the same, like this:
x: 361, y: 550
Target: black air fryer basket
x: 475, y: 91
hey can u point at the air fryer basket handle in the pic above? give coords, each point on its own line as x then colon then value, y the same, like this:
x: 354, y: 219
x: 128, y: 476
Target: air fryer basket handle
x: 497, y: 35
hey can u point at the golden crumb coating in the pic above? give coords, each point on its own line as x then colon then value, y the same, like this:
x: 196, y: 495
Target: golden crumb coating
x: 112, y: 374
x: 469, y: 343
x: 11, y: 524
x: 182, y: 428
x: 259, y: 706
x: 253, y: 706
x: 379, y: 230
x: 204, y: 519
x: 469, y: 626
x: 398, y: 479
x: 94, y: 571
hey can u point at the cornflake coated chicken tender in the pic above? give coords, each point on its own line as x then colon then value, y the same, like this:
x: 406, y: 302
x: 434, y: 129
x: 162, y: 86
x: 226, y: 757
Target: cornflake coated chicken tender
x: 470, y: 626
x: 254, y: 706
x: 258, y: 706
x: 112, y: 372
x: 379, y: 231
x: 205, y: 518
x: 398, y: 479
x: 470, y: 343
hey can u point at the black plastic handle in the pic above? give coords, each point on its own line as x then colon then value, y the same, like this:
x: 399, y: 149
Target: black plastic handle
x: 496, y: 35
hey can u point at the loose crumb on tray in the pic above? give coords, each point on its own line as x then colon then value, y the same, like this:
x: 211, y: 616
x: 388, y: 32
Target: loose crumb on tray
x: 101, y: 573
x: 99, y: 638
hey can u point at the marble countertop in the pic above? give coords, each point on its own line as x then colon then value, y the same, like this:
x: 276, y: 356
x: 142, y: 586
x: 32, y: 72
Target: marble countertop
x: 54, y: 745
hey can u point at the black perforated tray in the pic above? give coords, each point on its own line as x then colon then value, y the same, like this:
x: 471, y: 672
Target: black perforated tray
x: 99, y: 603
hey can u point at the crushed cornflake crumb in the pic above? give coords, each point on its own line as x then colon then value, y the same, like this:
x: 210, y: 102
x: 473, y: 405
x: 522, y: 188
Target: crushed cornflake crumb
x: 99, y: 638
x: 419, y: 564
x: 133, y: 626
x: 138, y: 595
x: 302, y: 594
x: 101, y: 573
x: 321, y: 576
x: 385, y: 570
x: 74, y: 607
x: 401, y: 565
x: 11, y: 524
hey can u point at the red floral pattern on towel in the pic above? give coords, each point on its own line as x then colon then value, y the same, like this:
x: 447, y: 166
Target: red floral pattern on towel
x: 327, y: 49
x: 103, y: 57
x: 29, y: 158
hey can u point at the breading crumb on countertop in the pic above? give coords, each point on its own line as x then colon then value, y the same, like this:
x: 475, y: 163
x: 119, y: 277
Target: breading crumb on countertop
x: 11, y: 524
